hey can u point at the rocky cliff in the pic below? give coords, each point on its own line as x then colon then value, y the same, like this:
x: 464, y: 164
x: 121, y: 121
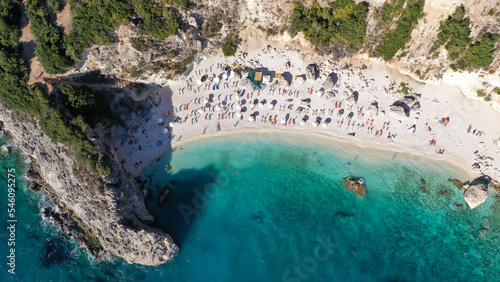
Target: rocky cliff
x: 114, y: 222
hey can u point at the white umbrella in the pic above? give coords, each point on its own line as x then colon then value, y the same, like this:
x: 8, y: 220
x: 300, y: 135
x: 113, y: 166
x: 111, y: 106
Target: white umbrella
x: 198, y: 81
x: 315, y: 124
x: 251, y: 119
x: 218, y: 108
x: 216, y: 80
x: 201, y: 110
x: 231, y: 75
x: 165, y: 130
x: 319, y: 93
x: 205, y: 100
x: 171, y: 124
x: 270, y: 106
x: 325, y: 125
x: 261, y: 105
x: 238, y: 115
x: 238, y: 106
x: 252, y: 105
x: 159, y: 120
x: 302, y: 122
x: 283, y: 121
x: 224, y: 76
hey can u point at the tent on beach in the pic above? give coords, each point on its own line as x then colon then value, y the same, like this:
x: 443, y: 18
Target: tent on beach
x: 256, y: 79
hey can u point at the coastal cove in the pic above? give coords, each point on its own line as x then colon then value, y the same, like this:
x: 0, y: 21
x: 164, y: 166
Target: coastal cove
x: 271, y: 207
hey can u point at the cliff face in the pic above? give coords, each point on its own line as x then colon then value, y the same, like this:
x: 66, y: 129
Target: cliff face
x: 115, y: 221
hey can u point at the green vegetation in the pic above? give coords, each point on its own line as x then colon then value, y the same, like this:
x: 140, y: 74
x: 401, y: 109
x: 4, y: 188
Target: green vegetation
x: 479, y: 54
x: 230, y: 45
x: 454, y: 35
x: 159, y: 22
x: 491, y: 12
x: 55, y: 6
x: 49, y: 48
x: 188, y: 60
x: 396, y: 39
x: 480, y: 93
x: 92, y: 21
x: 404, y: 89
x: 134, y: 72
x: 341, y: 24
x: 454, y: 32
x: 178, y: 3
x: 496, y: 90
x: 9, y: 20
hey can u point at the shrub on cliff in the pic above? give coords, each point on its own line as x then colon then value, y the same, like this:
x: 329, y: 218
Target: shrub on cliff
x: 341, y: 24
x: 396, y: 39
x: 230, y: 45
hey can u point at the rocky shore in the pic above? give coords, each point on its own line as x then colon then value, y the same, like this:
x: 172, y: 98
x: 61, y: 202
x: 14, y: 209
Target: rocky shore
x: 114, y: 222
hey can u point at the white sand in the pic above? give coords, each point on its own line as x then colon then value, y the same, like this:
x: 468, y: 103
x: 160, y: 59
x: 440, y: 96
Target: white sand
x: 372, y: 83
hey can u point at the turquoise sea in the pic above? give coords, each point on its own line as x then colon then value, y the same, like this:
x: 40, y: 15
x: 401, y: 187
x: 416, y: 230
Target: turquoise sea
x: 259, y: 207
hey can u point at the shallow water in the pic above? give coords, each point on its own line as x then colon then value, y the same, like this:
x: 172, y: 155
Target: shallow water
x: 259, y: 208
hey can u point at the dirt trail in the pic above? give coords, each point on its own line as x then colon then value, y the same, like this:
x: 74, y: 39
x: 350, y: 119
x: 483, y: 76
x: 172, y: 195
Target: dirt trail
x: 64, y: 19
x: 27, y: 40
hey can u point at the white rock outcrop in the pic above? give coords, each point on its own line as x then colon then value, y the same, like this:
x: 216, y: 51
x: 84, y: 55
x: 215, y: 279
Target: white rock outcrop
x: 476, y: 194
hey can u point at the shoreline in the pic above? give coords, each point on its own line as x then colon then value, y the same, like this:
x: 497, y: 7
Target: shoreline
x: 414, y: 132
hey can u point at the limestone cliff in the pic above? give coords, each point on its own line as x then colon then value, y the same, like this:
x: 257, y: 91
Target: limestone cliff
x: 113, y: 222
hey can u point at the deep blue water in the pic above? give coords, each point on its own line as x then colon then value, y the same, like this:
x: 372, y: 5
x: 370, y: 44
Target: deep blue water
x: 263, y: 209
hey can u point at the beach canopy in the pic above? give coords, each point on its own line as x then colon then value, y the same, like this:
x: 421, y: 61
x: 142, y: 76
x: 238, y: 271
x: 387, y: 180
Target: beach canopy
x: 159, y: 120
x: 171, y: 124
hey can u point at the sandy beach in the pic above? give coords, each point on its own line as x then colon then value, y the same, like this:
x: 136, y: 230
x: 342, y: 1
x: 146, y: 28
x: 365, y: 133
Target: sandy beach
x: 363, y: 103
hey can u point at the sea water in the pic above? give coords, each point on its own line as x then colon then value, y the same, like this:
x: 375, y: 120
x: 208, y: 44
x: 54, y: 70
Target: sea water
x: 259, y: 207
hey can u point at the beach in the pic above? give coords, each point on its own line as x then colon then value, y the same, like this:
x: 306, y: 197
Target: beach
x: 360, y: 102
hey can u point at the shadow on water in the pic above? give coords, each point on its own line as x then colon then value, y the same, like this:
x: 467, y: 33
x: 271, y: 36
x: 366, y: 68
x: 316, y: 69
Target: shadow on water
x: 190, y: 193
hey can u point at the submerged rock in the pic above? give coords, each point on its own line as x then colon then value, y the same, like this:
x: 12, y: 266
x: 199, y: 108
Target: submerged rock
x: 356, y: 185
x: 457, y: 183
x: 165, y: 195
x: 458, y: 207
x: 477, y: 192
x: 422, y: 186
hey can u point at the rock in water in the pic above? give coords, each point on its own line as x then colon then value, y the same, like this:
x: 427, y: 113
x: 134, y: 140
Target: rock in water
x: 312, y: 72
x: 477, y: 192
x: 356, y: 185
x: 165, y: 194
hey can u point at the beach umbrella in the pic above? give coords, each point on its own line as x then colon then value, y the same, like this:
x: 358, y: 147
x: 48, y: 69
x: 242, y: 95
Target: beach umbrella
x: 205, y: 100
x: 218, y: 108
x: 201, y: 110
x: 165, y: 130
x: 252, y: 105
x: 302, y: 122
x: 263, y: 86
x: 171, y: 124
x: 249, y: 86
x: 198, y: 81
x: 224, y: 76
x: 231, y: 75
x: 271, y: 106
x: 261, y: 105
x: 283, y: 121
x: 315, y: 124
x: 159, y: 120
x: 251, y: 118
x: 216, y: 80
x: 238, y: 106
x: 319, y: 93
x: 325, y: 125
x: 238, y: 115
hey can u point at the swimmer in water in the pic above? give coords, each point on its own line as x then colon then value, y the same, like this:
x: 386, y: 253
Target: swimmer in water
x: 347, y: 164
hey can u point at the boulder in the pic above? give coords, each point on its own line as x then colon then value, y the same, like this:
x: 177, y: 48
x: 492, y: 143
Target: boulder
x: 372, y: 110
x: 399, y: 110
x: 408, y: 99
x: 356, y: 185
x: 477, y: 192
x: 165, y: 195
x: 416, y: 106
x: 331, y: 80
x: 312, y: 72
